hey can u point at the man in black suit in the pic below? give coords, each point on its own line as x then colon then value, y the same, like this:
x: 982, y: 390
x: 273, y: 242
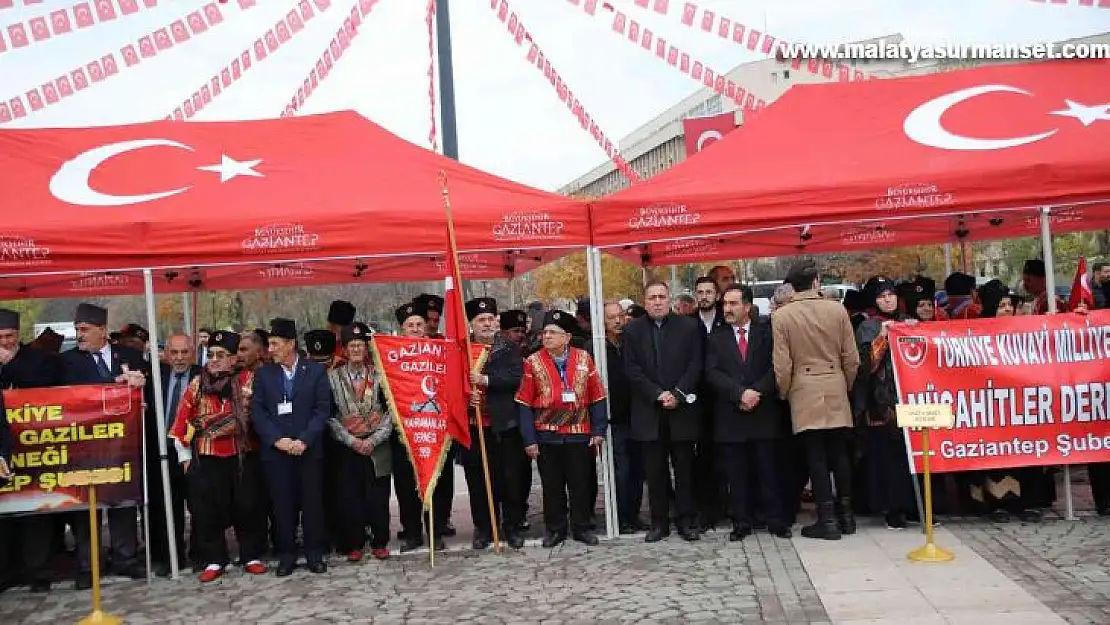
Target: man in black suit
x: 95, y: 361
x: 711, y: 483
x: 30, y: 536
x: 663, y: 361
x: 291, y: 405
x: 177, y: 372
x: 748, y: 419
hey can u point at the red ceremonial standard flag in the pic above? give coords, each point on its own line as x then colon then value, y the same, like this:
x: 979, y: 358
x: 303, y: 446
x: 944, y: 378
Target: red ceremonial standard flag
x: 1081, y: 287
x: 457, y: 380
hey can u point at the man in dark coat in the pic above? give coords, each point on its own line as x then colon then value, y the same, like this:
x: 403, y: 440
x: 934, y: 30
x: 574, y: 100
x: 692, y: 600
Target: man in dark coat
x: 95, y: 361
x: 31, y: 536
x: 663, y: 359
x: 500, y: 381
x: 748, y: 418
x: 291, y: 405
x: 710, y: 483
x: 628, y: 459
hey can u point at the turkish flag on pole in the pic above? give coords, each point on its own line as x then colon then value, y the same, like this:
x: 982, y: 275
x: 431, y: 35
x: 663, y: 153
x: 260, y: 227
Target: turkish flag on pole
x: 457, y: 379
x: 1081, y: 287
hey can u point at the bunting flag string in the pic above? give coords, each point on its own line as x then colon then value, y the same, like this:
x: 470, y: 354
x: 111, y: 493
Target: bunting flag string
x: 1101, y: 4
x: 542, y: 63
x: 339, y: 45
x: 64, y: 21
x: 429, y: 19
x: 98, y: 70
x: 275, y: 37
x: 7, y: 4
x: 743, y: 35
x: 632, y: 32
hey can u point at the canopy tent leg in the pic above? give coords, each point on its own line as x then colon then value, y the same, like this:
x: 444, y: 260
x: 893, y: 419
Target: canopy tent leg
x: 160, y: 420
x: 947, y: 259
x: 597, y: 323
x: 187, y: 313
x: 1050, y: 288
x: 674, y: 279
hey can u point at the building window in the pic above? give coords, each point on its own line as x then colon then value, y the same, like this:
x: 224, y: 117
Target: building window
x: 786, y: 74
x: 775, y: 78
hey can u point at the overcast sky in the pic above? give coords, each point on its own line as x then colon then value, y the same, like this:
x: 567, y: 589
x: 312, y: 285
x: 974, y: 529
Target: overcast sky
x: 510, y: 121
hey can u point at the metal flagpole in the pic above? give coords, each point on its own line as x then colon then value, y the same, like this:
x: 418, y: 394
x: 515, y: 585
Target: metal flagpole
x: 449, y: 132
x: 1050, y: 288
x: 160, y: 419
x: 187, y: 313
x: 597, y: 323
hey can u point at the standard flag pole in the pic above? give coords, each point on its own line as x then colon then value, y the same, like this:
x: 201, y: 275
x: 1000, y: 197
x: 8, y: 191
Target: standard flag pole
x: 456, y: 277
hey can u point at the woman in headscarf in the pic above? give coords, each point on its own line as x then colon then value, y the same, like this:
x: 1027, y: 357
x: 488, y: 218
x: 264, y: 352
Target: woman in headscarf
x: 361, y: 424
x: 918, y: 299
x: 888, y: 484
x: 1005, y: 492
x: 217, y: 448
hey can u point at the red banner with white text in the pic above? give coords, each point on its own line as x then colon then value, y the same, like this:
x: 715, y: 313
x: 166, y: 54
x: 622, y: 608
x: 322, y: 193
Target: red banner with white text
x: 416, y: 379
x: 1025, y: 391
x: 66, y: 435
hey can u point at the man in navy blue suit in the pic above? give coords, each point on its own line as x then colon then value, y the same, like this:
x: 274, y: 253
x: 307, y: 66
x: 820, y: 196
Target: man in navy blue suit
x: 291, y: 406
x: 96, y: 361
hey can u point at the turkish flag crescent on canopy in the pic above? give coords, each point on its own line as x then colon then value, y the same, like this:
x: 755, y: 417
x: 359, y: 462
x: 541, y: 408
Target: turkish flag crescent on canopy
x: 1081, y: 287
x: 457, y: 379
x: 701, y: 132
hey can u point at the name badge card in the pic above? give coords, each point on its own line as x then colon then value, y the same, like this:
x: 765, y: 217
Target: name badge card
x: 568, y: 396
x: 285, y: 407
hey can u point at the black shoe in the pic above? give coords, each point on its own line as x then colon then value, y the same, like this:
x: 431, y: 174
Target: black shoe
x: 846, y: 518
x: 781, y: 532
x: 134, y: 570
x: 285, y: 569
x: 739, y: 532
x: 439, y: 544
x: 82, y: 581
x: 1031, y: 516
x: 826, y: 526
x: 411, y: 544
x: 896, y: 521
x: 449, y: 529
x: 627, y: 528
x: 656, y: 534
x: 514, y: 540
x: 318, y: 567
x: 40, y: 586
x: 1104, y: 511
x: 554, y: 539
x: 586, y: 537
x: 481, y: 541
x: 999, y: 516
x: 689, y: 534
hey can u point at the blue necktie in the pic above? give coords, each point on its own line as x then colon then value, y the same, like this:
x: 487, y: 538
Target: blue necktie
x: 102, y: 367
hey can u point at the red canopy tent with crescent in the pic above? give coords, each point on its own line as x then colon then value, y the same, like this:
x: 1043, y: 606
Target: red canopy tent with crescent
x: 847, y: 167
x: 261, y: 195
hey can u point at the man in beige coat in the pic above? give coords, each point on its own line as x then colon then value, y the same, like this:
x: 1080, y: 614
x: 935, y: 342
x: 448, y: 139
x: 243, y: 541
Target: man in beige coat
x: 815, y: 362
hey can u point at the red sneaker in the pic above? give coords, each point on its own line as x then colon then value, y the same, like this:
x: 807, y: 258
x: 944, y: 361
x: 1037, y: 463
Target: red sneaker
x: 381, y: 553
x: 256, y: 568
x: 354, y: 556
x: 210, y: 575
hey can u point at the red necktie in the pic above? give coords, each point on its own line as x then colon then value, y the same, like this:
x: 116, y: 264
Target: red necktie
x: 742, y: 342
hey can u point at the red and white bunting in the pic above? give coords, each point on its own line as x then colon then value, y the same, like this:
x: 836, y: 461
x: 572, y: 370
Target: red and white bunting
x: 339, y: 45
x: 99, y: 69
x: 642, y: 37
x: 542, y: 63
x: 1101, y: 4
x: 430, y: 20
x: 753, y: 39
x: 66, y: 20
x: 276, y: 36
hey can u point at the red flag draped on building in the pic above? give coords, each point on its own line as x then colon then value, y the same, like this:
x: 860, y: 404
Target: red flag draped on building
x: 1081, y: 287
x: 457, y: 380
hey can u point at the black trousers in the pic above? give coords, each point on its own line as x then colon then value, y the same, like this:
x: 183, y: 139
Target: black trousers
x: 332, y: 511
x: 711, y: 485
x: 565, y: 476
x: 227, y: 492
x: 1099, y: 474
x: 363, y: 500
x: 628, y: 469
x: 123, y: 528
x: 27, y: 548
x: 476, y: 479
x: 827, y: 450
x: 680, y: 454
x: 888, y: 480
x: 752, y: 471
x: 516, y: 478
x: 408, y: 499
x: 296, y: 485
